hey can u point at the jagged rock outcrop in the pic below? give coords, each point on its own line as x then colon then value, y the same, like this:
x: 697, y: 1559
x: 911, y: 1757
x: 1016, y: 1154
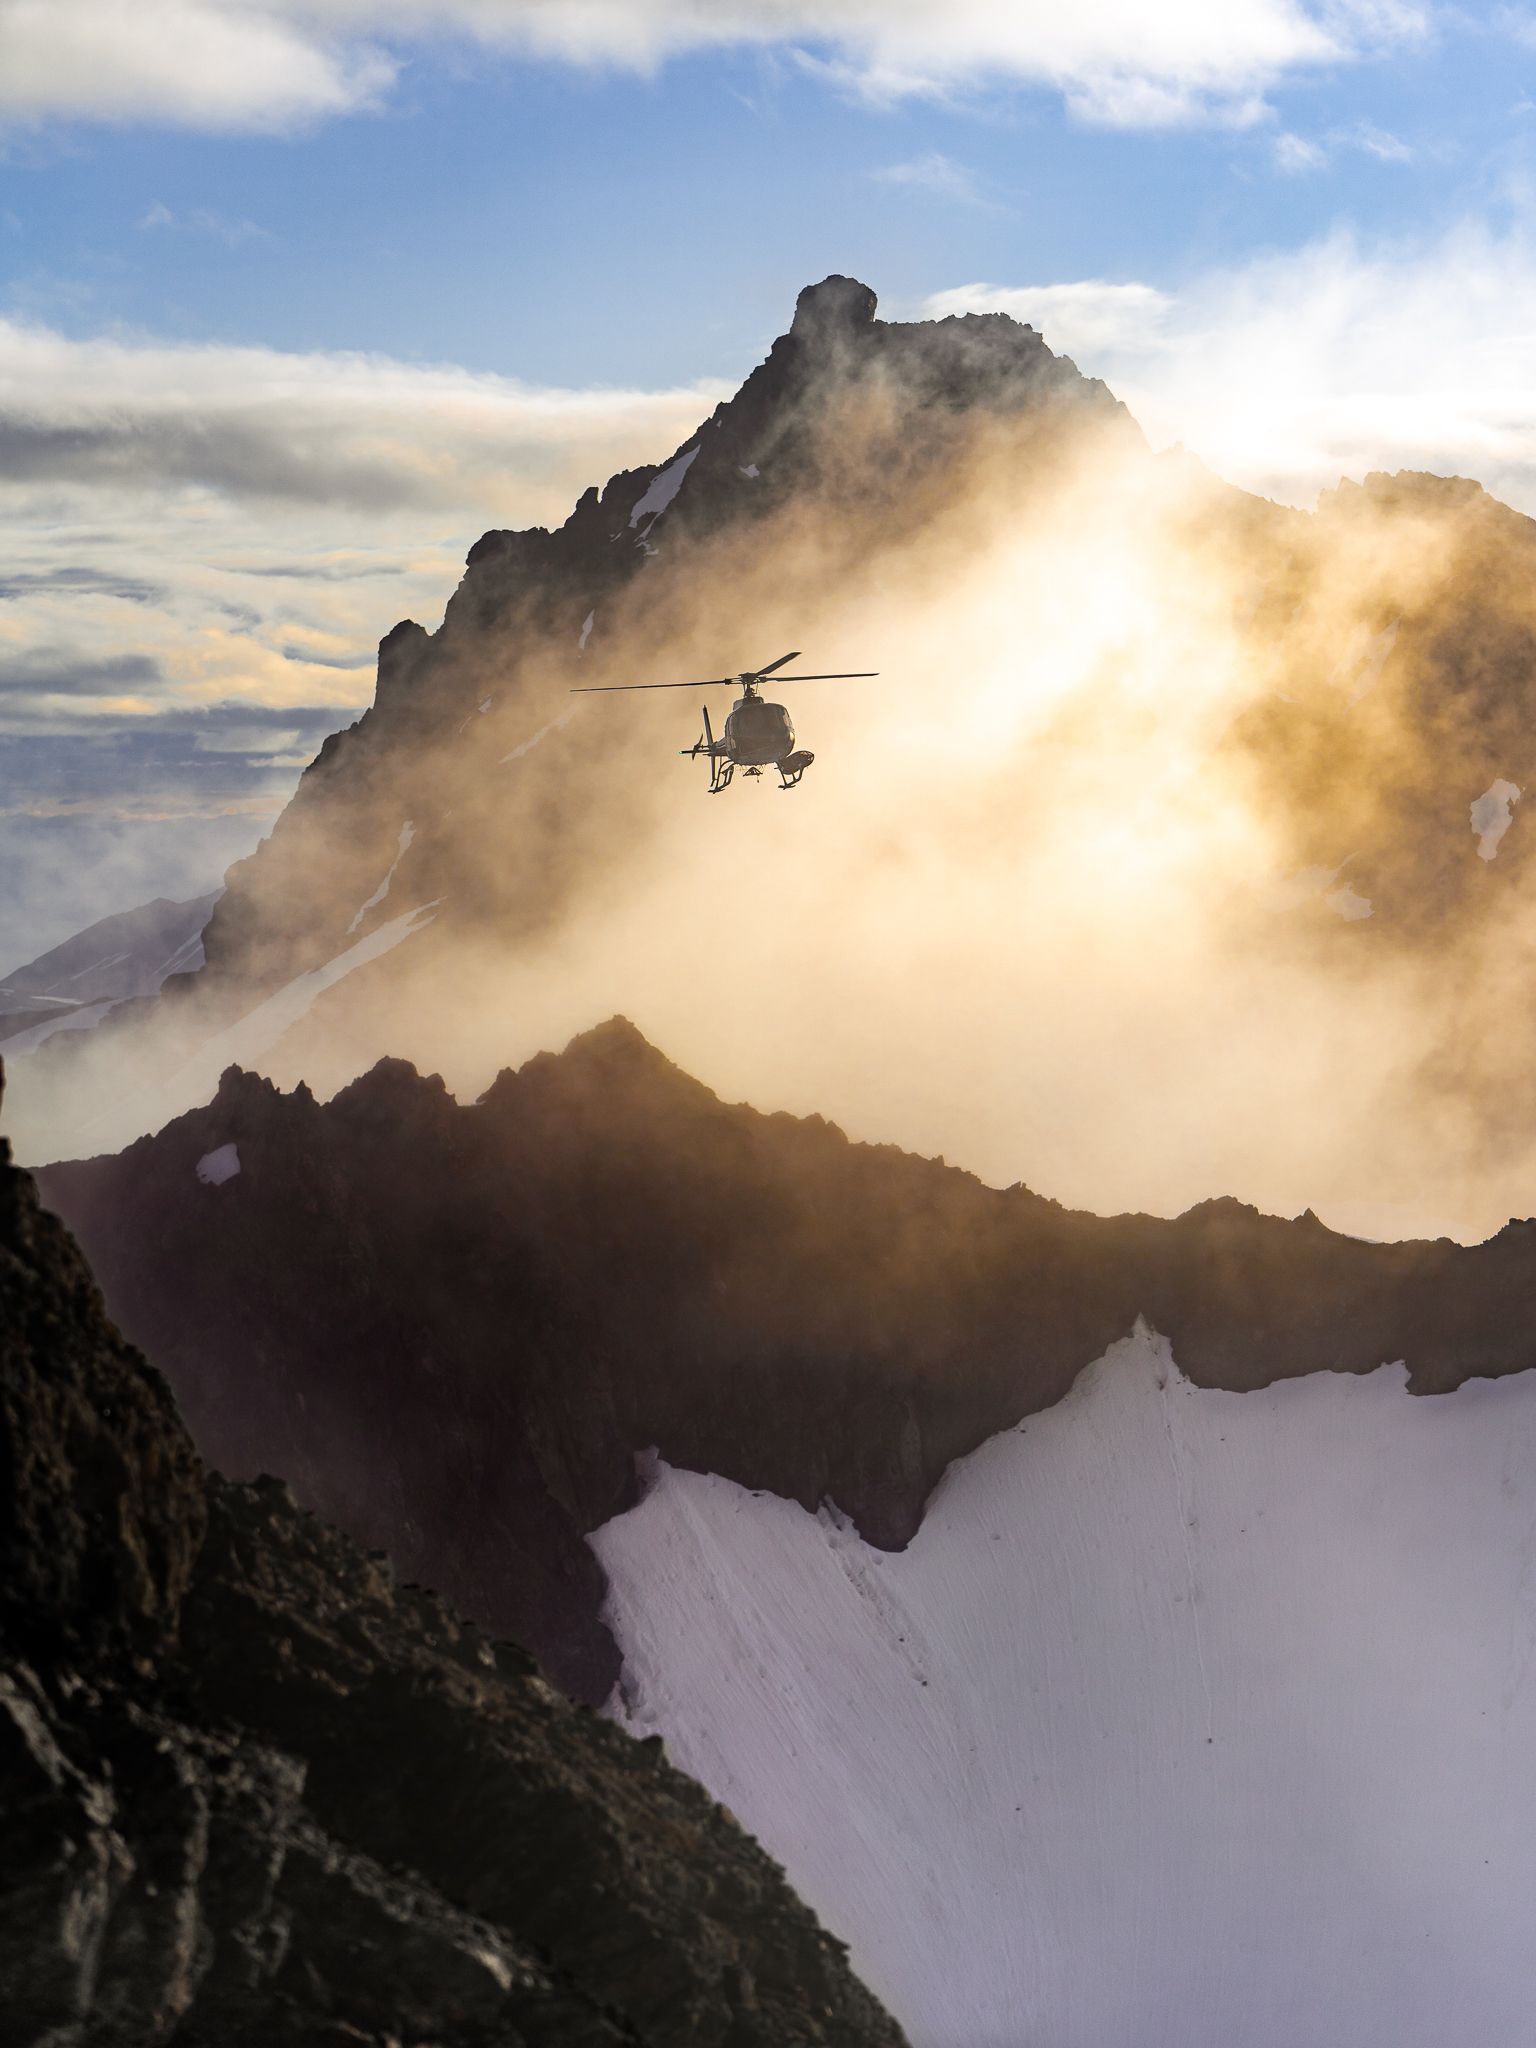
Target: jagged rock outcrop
x: 455, y: 1328
x: 258, y: 1795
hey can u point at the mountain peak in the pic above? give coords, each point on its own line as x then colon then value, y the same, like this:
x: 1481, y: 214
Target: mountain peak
x: 836, y: 306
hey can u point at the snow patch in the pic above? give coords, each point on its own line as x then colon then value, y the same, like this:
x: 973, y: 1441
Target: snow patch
x: 1492, y: 815
x: 218, y: 1166
x: 1173, y: 1687
x: 663, y: 489
x: 749, y: 469
x: 485, y: 705
x: 586, y: 629
x: 407, y: 834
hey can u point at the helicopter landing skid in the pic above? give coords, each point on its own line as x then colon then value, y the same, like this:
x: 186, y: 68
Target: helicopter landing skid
x: 792, y: 767
x: 720, y: 773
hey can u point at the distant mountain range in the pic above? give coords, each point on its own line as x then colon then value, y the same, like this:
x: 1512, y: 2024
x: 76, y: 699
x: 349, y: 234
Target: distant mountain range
x: 73, y: 986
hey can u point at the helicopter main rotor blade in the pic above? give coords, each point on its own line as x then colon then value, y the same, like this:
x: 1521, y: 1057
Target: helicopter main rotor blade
x: 709, y: 683
x: 768, y: 671
x: 755, y: 675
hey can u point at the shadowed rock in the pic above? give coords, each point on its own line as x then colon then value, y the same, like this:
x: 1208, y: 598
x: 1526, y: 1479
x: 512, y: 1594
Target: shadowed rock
x: 258, y: 1796
x: 456, y: 1328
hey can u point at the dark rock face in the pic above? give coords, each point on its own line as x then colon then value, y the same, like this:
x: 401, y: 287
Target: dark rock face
x: 258, y: 1796
x: 101, y: 1504
x: 455, y: 1328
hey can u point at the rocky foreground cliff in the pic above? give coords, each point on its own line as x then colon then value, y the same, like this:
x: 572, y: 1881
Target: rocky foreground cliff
x: 458, y: 1328
x: 256, y: 1793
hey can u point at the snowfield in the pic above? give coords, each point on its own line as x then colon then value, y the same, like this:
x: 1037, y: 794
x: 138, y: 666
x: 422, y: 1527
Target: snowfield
x: 1188, y: 1718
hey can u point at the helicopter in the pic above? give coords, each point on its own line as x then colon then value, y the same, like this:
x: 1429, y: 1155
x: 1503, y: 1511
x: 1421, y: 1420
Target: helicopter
x: 757, y: 734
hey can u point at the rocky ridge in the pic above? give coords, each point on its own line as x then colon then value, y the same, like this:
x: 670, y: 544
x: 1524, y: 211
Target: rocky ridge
x: 259, y: 1793
x: 458, y: 1329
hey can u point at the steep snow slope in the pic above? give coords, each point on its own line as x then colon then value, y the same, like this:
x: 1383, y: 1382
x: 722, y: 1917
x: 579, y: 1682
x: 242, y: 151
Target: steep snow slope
x: 1188, y: 1717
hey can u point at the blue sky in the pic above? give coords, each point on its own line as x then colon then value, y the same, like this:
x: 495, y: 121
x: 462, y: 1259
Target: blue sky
x: 298, y: 296
x: 585, y: 224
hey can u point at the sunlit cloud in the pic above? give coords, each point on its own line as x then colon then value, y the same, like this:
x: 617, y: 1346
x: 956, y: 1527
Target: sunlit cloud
x: 283, y: 64
x: 1292, y: 370
x: 346, y: 429
x: 1090, y: 315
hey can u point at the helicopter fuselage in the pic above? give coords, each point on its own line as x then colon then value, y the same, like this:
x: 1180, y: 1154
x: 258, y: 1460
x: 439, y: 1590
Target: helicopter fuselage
x: 757, y: 734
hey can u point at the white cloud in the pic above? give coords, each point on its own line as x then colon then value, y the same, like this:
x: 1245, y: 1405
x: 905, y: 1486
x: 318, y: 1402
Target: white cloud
x: 934, y: 172
x: 201, y: 221
x: 363, y: 431
x: 280, y: 63
x: 205, y: 64
x: 1297, y: 153
x: 1381, y: 143
x: 1292, y: 370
